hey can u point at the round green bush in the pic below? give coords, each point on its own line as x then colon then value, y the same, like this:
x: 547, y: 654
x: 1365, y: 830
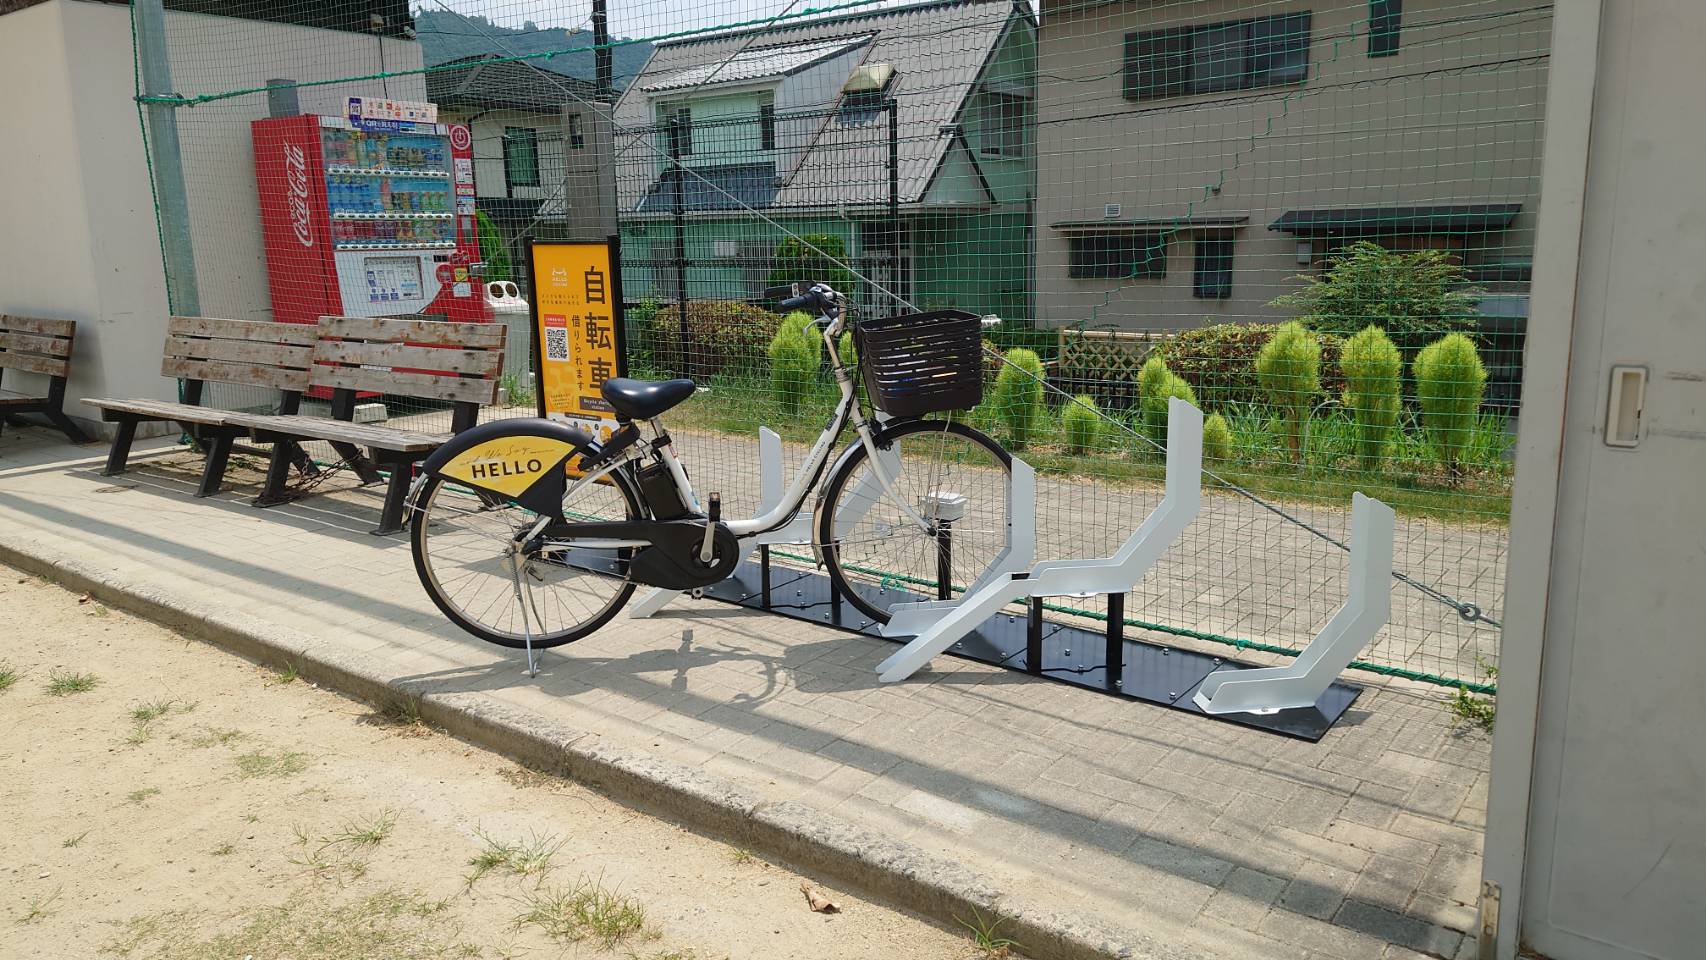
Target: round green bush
x: 1216, y: 439
x: 1018, y: 395
x: 722, y: 336
x: 1289, y: 372
x: 1082, y: 424
x: 1373, y: 374
x: 1219, y: 361
x: 1450, y: 381
x: 1156, y: 384
x: 795, y: 352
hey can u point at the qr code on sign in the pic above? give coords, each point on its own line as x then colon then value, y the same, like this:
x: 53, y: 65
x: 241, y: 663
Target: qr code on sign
x: 556, y: 344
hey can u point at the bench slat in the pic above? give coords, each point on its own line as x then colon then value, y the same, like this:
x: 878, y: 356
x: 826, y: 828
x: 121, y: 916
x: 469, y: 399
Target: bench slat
x: 161, y: 410
x: 35, y: 363
x: 283, y: 378
x: 34, y: 343
x: 423, y: 385
x: 321, y: 428
x: 12, y: 398
x: 258, y: 331
x: 39, y: 325
x: 470, y: 336
x: 242, y: 351
x: 483, y: 363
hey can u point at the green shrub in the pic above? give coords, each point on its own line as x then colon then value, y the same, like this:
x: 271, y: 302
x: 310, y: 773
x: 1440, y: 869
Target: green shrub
x: 1364, y: 283
x: 1082, y: 424
x: 492, y: 248
x: 723, y: 336
x: 1289, y: 372
x: 1156, y: 384
x: 1373, y: 372
x: 795, y: 354
x: 1219, y: 361
x: 1450, y: 380
x: 1216, y: 439
x: 1018, y: 398
x: 848, y: 352
x: 797, y: 262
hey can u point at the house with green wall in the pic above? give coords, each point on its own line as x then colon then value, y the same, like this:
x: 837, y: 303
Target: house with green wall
x: 905, y: 135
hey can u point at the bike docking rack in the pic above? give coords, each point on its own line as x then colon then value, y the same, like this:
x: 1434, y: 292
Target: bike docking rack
x: 1302, y: 699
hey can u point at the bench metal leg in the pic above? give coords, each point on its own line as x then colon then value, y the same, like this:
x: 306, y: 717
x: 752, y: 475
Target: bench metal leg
x: 396, y: 492
x: 120, y: 454
x: 213, y: 471
x: 278, y: 471
x: 68, y: 426
x: 358, y: 462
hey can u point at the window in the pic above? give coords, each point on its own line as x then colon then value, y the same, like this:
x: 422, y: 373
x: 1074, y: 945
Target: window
x: 1117, y: 256
x: 577, y: 139
x: 766, y: 126
x: 1212, y: 278
x: 1238, y: 55
x: 1385, y: 17
x: 678, y: 130
x: 521, y: 157
x: 1002, y: 125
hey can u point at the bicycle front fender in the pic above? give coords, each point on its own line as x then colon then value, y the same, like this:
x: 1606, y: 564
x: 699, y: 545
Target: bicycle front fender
x: 520, y: 460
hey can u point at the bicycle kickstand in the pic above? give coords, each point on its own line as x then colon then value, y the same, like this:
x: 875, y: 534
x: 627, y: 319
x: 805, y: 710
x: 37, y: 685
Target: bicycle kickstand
x: 521, y: 601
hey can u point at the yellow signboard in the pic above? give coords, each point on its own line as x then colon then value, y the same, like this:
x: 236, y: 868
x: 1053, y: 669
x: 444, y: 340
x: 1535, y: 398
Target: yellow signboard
x: 507, y: 465
x: 577, y: 329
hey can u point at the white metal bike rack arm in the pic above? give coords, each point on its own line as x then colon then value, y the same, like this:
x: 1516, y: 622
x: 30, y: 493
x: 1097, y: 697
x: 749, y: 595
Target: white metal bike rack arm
x: 1115, y: 574
x: 1367, y: 608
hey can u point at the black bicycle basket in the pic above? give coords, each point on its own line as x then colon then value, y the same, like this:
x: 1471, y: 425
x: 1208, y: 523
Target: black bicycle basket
x: 919, y: 363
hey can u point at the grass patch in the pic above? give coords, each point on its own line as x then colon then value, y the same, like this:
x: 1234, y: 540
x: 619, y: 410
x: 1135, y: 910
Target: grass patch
x: 149, y: 712
x: 385, y: 924
x: 586, y: 911
x: 404, y: 713
x: 1471, y: 708
x: 285, y: 763
x: 70, y: 842
x: 140, y: 797
x: 522, y: 777
x: 61, y: 683
x: 217, y: 737
x: 40, y: 907
x: 530, y: 857
x: 740, y: 856
x: 289, y: 674
x: 8, y: 677
x: 365, y: 831
x: 223, y: 850
x: 985, y: 933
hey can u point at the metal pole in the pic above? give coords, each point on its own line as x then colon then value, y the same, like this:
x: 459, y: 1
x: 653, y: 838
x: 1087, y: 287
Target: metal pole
x: 894, y: 202
x: 677, y: 132
x: 171, y: 198
x: 602, y: 71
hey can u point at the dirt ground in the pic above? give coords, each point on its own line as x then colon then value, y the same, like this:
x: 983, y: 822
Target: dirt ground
x: 160, y: 798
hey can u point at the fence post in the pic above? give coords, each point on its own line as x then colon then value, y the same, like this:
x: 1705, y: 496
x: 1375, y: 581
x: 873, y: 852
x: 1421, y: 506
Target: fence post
x: 677, y: 133
x: 894, y: 205
x: 154, y: 68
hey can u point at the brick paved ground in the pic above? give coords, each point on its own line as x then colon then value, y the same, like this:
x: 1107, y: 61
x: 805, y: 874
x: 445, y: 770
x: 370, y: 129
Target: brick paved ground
x: 1365, y: 845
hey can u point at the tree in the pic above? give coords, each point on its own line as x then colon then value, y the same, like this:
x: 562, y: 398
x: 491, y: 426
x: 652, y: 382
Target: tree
x: 1450, y: 381
x: 1423, y: 291
x: 1289, y: 371
x: 1373, y: 372
x: 798, y: 262
x: 492, y: 248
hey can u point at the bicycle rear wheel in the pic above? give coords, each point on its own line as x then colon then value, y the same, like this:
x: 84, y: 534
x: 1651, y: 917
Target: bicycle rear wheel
x: 463, y: 543
x: 953, y: 476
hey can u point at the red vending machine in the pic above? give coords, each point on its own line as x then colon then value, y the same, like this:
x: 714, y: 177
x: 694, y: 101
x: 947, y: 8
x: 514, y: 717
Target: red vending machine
x: 370, y: 214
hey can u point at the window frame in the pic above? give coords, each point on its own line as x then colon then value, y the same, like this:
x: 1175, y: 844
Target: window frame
x: 1385, y: 27
x: 1213, y: 255
x: 677, y: 124
x: 1272, y: 51
x: 514, y: 139
x: 767, y: 126
x: 577, y: 134
x: 1118, y: 257
x: 1006, y: 138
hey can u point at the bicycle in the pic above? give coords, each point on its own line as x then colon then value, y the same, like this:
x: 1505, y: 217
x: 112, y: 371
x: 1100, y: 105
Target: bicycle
x: 915, y: 508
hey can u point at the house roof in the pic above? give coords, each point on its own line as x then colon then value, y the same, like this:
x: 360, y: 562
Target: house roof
x: 938, y: 50
x: 730, y: 187
x: 754, y: 63
x: 490, y: 82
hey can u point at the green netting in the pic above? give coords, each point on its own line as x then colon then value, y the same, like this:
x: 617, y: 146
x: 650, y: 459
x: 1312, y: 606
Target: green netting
x: 1146, y: 193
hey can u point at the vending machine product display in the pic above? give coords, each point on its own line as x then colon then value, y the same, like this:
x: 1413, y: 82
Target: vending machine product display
x: 368, y: 217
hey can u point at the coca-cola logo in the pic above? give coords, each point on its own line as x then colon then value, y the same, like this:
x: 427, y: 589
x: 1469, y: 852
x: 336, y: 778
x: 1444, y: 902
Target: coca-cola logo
x: 296, y: 184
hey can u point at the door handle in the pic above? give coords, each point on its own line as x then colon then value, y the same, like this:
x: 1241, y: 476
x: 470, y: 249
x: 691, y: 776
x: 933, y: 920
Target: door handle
x: 1623, y: 406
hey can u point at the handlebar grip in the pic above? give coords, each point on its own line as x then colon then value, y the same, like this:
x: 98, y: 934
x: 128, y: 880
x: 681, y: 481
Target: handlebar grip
x: 800, y: 302
x: 777, y: 293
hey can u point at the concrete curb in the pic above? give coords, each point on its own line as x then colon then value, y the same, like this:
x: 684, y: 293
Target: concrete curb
x: 802, y: 836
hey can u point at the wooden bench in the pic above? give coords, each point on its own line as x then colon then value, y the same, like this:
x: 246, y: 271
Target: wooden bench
x: 202, y: 350
x: 456, y: 362
x: 38, y: 345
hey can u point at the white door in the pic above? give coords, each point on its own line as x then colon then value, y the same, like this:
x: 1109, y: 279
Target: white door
x: 1616, y: 853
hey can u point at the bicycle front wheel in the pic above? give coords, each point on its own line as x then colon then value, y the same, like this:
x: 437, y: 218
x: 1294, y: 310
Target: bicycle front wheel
x: 465, y: 555
x: 952, y: 477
